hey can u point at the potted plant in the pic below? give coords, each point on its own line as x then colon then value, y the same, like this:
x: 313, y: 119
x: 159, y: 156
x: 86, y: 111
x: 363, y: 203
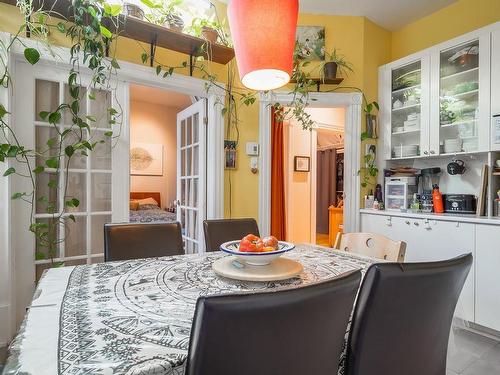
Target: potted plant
x: 207, y: 29
x: 132, y: 10
x: 335, y: 65
x: 165, y: 13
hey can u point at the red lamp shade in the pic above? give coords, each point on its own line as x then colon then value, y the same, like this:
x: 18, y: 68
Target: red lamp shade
x: 263, y: 33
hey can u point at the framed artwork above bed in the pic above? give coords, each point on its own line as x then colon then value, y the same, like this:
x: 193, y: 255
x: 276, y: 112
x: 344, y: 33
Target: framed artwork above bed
x: 146, y: 159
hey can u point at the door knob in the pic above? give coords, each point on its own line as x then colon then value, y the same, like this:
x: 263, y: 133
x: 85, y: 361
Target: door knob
x: 407, y: 222
x: 433, y: 152
x: 426, y: 153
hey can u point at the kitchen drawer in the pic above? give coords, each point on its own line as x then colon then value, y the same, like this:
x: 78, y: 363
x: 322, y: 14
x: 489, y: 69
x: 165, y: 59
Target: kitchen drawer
x: 488, y: 276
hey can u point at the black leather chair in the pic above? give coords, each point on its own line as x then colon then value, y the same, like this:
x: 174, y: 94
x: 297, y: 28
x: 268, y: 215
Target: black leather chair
x: 135, y: 241
x: 219, y: 231
x: 402, y: 319
x: 291, y: 332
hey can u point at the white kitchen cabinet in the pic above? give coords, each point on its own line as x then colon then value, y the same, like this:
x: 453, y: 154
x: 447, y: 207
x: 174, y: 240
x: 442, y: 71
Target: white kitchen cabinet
x: 437, y: 101
x: 495, y: 90
x: 488, y: 276
x: 427, y: 241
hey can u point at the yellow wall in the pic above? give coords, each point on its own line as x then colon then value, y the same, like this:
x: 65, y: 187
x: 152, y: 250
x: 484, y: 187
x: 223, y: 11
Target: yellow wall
x: 459, y: 18
x: 363, y: 43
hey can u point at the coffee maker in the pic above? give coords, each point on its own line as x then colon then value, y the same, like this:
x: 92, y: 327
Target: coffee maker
x: 428, y: 178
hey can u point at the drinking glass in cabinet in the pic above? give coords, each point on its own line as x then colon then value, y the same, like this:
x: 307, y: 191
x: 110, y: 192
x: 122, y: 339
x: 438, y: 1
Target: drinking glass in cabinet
x: 405, y: 118
x: 459, y: 98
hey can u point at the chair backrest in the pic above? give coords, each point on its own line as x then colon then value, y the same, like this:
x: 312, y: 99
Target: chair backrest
x: 294, y: 332
x: 373, y: 245
x: 135, y: 241
x: 402, y: 319
x: 219, y: 231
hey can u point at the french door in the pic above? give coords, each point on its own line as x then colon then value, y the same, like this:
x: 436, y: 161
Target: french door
x: 95, y: 178
x: 191, y: 167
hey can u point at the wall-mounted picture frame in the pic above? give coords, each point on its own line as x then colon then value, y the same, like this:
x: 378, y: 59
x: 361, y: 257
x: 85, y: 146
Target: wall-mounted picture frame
x: 310, y: 42
x: 301, y: 163
x: 146, y: 159
x: 230, y: 154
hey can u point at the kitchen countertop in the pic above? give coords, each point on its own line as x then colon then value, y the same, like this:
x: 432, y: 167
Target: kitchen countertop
x: 464, y: 218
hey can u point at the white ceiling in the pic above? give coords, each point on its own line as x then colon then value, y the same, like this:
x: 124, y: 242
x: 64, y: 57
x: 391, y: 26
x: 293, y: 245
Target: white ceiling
x: 158, y: 96
x: 390, y: 14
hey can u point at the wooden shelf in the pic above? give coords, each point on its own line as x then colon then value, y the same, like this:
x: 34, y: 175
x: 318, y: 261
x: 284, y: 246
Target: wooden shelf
x: 321, y: 81
x: 156, y: 36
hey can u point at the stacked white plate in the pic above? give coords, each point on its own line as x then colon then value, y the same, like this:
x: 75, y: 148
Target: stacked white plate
x: 402, y: 151
x: 452, y: 145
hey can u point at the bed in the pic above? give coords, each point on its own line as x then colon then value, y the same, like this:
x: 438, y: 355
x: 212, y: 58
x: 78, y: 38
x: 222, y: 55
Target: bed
x: 145, y: 207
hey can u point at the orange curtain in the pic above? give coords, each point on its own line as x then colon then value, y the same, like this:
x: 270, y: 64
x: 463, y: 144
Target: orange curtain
x: 278, y: 228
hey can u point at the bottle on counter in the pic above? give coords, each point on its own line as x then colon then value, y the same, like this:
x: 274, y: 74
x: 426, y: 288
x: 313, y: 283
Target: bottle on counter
x: 376, y: 205
x: 437, y: 199
x: 415, y: 204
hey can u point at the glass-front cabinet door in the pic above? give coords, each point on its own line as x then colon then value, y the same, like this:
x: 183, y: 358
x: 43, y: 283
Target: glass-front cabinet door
x: 460, y: 123
x: 407, y: 114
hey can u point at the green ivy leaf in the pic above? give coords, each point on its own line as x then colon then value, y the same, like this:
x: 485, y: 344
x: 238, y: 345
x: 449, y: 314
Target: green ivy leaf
x: 52, y: 184
x: 72, y: 218
x: 12, y: 151
x: 112, y: 9
x: 39, y: 169
x: 31, y: 55
x: 108, y: 134
x: 61, y: 27
x: 9, y: 171
x: 105, y: 32
x: 17, y: 196
x: 39, y: 255
x: 54, y: 118
x: 3, y: 111
x: 44, y: 115
x: 144, y: 57
x: 69, y: 151
x: 115, y: 64
x: 51, y: 142
x: 73, y: 202
x: 158, y: 70
x: 364, y: 136
x: 52, y: 163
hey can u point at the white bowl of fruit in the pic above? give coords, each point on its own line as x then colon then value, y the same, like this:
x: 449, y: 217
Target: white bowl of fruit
x: 256, y: 251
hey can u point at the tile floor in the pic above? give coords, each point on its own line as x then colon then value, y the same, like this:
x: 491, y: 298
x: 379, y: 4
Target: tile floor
x: 472, y: 354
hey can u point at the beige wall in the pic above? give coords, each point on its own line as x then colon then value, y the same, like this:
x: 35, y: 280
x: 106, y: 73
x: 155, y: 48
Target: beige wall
x: 156, y: 124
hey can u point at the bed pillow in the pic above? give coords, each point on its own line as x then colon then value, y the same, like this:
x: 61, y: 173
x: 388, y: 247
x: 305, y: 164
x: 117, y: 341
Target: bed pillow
x: 134, y: 205
x: 148, y: 204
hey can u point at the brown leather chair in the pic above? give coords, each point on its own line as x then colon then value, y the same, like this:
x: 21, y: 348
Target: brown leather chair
x: 219, y: 231
x: 293, y: 332
x: 135, y: 241
x: 402, y: 319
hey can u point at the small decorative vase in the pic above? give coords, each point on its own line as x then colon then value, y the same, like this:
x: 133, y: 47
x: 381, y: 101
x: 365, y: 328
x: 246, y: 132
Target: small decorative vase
x: 330, y: 70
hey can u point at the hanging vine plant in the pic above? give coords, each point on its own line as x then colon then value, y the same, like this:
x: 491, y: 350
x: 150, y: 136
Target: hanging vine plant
x: 92, y: 27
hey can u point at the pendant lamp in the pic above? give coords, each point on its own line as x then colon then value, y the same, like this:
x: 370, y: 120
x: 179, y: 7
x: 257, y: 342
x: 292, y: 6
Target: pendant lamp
x: 263, y: 33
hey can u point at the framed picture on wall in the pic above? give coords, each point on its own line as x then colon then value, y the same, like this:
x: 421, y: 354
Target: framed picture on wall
x: 146, y: 159
x: 301, y: 163
x: 230, y: 154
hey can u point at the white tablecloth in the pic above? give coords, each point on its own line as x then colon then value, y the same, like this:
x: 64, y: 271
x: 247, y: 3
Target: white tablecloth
x: 134, y: 317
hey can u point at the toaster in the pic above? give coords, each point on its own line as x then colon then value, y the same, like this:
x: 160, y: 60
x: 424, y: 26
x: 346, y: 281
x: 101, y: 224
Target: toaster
x: 460, y: 203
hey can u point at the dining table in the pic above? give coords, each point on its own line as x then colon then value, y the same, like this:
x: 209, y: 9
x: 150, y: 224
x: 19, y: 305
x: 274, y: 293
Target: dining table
x: 134, y: 317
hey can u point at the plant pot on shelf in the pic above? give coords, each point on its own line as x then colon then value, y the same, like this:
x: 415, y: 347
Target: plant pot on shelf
x: 209, y: 34
x: 133, y: 10
x: 174, y: 22
x: 330, y: 70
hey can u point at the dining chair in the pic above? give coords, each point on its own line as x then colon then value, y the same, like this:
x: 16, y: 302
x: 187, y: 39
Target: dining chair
x: 402, y: 319
x: 219, y: 231
x: 373, y: 245
x: 294, y: 332
x: 145, y: 240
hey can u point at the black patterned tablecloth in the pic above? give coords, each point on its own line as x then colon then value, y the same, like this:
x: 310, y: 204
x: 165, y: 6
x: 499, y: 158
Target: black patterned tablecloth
x: 134, y: 317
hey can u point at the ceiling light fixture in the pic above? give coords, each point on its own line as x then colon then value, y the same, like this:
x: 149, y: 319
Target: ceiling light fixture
x: 263, y: 33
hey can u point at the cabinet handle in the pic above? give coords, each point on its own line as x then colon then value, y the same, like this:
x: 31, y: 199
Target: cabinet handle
x: 389, y: 222
x: 426, y: 153
x: 433, y: 152
x: 407, y: 222
x: 416, y: 224
x: 428, y: 224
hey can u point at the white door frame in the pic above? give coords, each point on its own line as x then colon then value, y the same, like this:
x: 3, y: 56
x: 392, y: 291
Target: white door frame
x: 129, y: 73
x: 352, y: 187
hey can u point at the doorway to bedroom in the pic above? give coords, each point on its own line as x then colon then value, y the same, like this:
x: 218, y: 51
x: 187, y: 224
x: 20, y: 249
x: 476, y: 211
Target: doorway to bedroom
x: 166, y: 153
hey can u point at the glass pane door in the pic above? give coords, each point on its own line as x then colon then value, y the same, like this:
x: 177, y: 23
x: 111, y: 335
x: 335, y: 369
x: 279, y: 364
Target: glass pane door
x: 77, y: 232
x: 190, y: 176
x: 459, y: 99
x: 406, y: 110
